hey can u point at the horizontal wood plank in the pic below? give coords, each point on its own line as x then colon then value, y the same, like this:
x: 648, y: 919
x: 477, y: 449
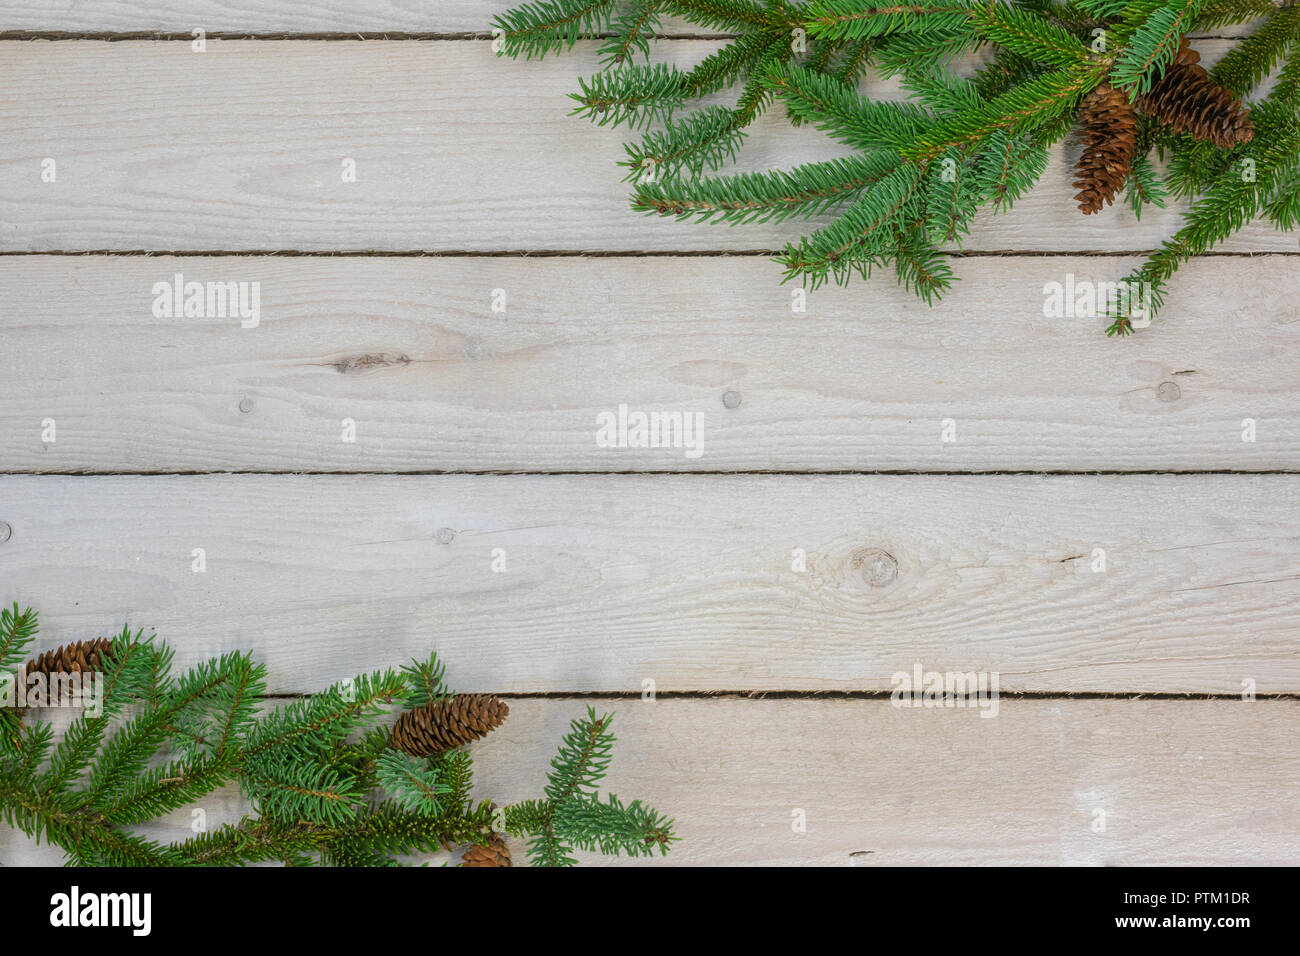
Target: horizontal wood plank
x: 411, y: 351
x: 286, y: 16
x: 334, y: 17
x: 1179, y: 782
x: 697, y: 583
x: 243, y: 148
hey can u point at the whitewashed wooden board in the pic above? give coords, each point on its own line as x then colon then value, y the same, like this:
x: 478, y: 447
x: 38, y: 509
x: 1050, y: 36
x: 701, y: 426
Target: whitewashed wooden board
x: 242, y: 148
x: 411, y: 351
x: 452, y: 18
x: 615, y: 579
x: 285, y: 16
x: 1180, y: 782
x: 689, y: 581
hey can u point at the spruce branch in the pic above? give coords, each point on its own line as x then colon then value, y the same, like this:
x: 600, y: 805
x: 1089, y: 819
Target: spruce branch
x: 805, y: 191
x: 635, y: 95
x: 1245, y: 65
x: 726, y: 66
x: 922, y: 169
x: 856, y: 59
x: 1221, y: 13
x: 919, y: 53
x: 861, y: 238
x: 708, y: 138
x: 1018, y: 110
x: 632, y: 29
x: 411, y: 784
x: 1029, y: 35
x: 1009, y: 166
x: 17, y: 631
x: 921, y: 267
x: 455, y: 772
x: 426, y: 681
x: 326, y: 783
x: 1153, y: 45
x: 736, y: 16
x: 612, y: 828
x: 1145, y: 187
x: 845, y: 115
x: 855, y: 20
x: 548, y: 26
x: 1232, y: 201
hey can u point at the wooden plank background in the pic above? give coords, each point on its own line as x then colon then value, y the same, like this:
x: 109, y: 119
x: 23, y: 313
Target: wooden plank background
x: 449, y: 18
x: 376, y: 307
x: 158, y: 160
x: 410, y: 349
x: 688, y: 581
x: 1179, y: 782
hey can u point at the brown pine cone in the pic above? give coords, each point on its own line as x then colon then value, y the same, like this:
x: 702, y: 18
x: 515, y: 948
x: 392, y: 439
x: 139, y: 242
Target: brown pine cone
x: 496, y: 853
x: 79, y: 657
x: 1108, y: 129
x: 448, y: 724
x: 1185, y: 99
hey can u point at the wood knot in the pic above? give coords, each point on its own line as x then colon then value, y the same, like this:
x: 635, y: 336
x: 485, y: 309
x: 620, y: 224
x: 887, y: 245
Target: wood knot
x: 875, y: 567
x: 371, y: 360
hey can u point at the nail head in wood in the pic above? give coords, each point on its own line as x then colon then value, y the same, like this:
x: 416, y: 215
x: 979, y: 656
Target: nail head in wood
x: 6, y: 531
x: 245, y: 404
x: 877, y: 568
x: 731, y: 398
x: 445, y: 536
x: 1169, y: 392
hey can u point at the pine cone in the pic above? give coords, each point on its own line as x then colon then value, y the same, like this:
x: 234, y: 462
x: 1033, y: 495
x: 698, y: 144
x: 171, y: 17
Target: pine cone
x: 496, y: 853
x: 79, y: 657
x: 448, y: 724
x: 1108, y: 128
x: 1186, y: 99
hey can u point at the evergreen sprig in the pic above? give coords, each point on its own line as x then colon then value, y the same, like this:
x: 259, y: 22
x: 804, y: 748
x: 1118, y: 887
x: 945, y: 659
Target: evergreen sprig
x: 325, y: 783
x: 922, y: 168
x: 572, y: 816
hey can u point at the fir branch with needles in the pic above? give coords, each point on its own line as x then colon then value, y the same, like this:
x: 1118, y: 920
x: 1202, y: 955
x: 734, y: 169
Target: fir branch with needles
x: 921, y: 170
x: 327, y: 780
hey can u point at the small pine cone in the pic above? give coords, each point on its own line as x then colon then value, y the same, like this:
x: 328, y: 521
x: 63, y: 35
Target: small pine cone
x: 448, y: 724
x: 1186, y: 99
x: 496, y: 853
x: 1108, y: 129
x: 79, y: 657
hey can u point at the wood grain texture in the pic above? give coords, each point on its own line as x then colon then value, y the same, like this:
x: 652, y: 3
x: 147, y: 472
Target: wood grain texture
x: 688, y: 581
x: 1180, y: 782
x: 410, y: 349
x: 241, y: 148
x: 280, y: 17
x: 285, y: 16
